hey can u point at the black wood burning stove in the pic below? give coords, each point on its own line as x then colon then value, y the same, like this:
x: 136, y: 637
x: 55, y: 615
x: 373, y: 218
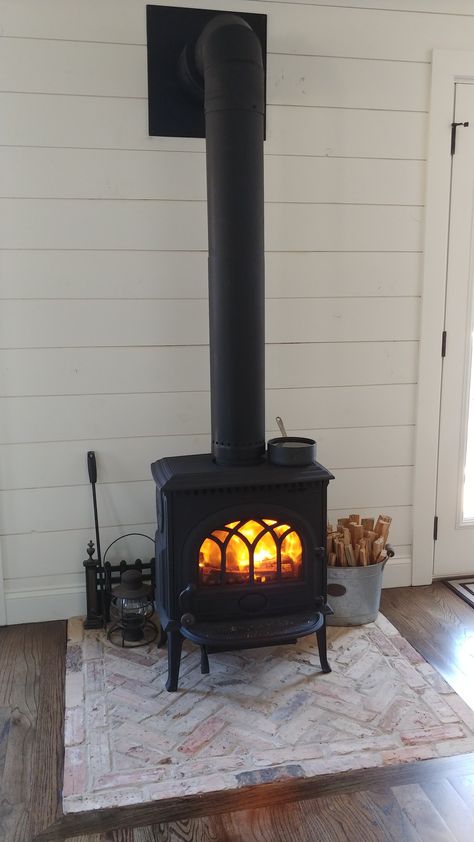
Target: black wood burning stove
x: 240, y: 541
x: 240, y: 555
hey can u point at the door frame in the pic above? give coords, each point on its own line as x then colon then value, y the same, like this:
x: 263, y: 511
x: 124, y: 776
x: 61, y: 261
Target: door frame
x: 448, y: 67
x: 3, y: 610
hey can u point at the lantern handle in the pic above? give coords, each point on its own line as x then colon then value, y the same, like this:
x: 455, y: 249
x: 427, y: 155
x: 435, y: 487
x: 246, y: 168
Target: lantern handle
x: 127, y: 535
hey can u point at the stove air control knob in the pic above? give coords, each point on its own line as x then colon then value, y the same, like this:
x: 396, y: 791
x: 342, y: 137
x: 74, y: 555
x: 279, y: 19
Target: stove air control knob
x: 188, y: 620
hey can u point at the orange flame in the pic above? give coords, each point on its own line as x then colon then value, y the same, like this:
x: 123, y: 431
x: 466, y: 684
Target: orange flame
x: 225, y: 555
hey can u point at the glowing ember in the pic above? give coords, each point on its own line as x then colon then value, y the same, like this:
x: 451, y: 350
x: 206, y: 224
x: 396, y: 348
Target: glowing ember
x: 226, y: 556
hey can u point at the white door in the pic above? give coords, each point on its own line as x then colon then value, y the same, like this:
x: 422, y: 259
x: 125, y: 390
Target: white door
x: 3, y: 615
x: 454, y: 547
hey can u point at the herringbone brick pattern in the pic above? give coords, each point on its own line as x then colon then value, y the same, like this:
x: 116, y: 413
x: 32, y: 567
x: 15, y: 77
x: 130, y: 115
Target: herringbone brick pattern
x: 262, y: 715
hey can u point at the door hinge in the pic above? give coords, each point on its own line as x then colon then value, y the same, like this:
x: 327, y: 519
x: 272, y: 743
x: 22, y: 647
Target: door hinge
x: 435, y: 528
x: 443, y: 343
x: 454, y: 127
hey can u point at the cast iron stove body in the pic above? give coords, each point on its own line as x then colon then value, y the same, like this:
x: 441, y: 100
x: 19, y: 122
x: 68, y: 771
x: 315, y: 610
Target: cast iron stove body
x: 261, y: 578
x: 240, y: 541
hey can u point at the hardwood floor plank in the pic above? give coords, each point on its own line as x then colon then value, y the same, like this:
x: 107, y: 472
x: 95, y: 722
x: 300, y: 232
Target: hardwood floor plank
x: 464, y: 786
x: 11, y: 643
x: 277, y: 824
x: 5, y: 720
x: 440, y: 626
x: 339, y: 818
x: 455, y: 812
x: 188, y: 830
x: 384, y: 805
x: 126, y: 834
x: 14, y: 822
x: 145, y: 834
x: 18, y: 758
x: 21, y: 659
x: 422, y: 814
x: 94, y: 838
x: 31, y: 684
x: 47, y: 760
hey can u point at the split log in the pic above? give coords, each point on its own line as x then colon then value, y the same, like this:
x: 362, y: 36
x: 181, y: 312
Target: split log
x: 383, y: 525
x: 357, y: 532
x: 370, y: 536
x: 341, y: 559
x: 377, y: 548
x: 349, y: 553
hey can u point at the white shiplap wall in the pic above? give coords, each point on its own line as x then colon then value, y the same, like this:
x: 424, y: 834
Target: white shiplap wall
x: 103, y: 320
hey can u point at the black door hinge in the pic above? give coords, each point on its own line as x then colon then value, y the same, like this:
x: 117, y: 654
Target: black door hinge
x: 453, y: 135
x: 435, y: 528
x: 443, y: 343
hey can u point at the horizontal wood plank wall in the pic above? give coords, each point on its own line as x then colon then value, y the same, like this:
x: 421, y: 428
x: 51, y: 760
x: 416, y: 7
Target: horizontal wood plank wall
x: 103, y: 321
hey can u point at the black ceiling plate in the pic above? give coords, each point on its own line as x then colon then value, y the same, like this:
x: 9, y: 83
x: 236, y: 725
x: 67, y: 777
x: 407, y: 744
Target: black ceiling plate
x: 171, y: 111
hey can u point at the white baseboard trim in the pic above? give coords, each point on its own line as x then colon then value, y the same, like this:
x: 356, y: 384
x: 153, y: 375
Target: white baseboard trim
x: 398, y: 572
x: 42, y: 604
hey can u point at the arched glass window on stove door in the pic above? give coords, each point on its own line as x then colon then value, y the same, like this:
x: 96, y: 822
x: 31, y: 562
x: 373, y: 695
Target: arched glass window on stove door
x: 250, y: 552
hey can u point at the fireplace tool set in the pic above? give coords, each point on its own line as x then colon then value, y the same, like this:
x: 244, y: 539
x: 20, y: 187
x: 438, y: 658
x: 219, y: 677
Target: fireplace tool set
x: 119, y: 597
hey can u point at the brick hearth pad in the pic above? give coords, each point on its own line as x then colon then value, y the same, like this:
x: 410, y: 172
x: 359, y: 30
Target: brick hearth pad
x: 262, y: 715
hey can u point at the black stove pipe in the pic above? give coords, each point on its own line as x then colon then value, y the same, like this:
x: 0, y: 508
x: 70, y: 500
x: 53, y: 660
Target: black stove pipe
x: 229, y: 59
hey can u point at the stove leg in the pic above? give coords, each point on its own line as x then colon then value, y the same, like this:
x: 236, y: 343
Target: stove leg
x: 321, y: 638
x: 175, y: 644
x: 204, y: 661
x: 162, y: 638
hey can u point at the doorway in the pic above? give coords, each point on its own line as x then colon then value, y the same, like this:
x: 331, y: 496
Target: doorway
x: 454, y: 544
x: 440, y: 516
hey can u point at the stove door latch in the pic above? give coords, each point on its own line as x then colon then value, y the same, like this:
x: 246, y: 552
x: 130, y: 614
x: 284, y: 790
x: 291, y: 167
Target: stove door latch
x: 186, y: 605
x: 323, y: 606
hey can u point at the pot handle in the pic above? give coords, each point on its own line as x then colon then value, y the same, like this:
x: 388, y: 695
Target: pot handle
x: 281, y: 427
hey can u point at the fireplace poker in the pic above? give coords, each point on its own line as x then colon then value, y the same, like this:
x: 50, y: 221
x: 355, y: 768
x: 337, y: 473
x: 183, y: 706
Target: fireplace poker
x: 95, y: 584
x: 92, y: 468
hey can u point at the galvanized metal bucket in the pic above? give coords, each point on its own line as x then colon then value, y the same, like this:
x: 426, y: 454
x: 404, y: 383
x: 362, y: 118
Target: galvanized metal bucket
x: 354, y: 593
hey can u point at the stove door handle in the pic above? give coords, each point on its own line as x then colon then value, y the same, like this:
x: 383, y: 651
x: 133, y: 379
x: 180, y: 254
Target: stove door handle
x: 186, y: 599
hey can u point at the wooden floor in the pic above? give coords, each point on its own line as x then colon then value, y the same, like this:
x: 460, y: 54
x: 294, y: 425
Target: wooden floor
x: 433, y: 800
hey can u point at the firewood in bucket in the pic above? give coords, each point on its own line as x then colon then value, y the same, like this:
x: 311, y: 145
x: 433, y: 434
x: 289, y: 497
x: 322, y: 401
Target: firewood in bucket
x: 358, y: 541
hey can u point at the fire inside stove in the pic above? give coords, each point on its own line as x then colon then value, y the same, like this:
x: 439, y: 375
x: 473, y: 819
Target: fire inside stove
x: 250, y: 551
